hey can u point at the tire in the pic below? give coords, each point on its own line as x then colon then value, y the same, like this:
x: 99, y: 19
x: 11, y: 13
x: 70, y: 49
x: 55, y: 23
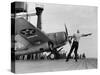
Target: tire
x: 52, y: 56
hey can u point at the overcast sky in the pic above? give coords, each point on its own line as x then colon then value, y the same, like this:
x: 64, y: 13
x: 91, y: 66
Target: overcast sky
x: 75, y: 17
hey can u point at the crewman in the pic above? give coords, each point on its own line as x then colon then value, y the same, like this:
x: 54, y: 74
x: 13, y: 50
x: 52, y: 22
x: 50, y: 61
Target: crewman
x: 76, y: 37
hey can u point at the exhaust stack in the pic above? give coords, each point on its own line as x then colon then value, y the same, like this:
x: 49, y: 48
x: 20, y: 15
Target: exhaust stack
x: 38, y: 13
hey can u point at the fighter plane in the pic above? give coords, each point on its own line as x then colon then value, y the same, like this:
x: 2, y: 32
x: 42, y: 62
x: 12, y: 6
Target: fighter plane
x: 33, y: 40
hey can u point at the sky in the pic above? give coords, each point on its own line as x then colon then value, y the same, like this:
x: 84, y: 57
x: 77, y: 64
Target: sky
x: 75, y: 17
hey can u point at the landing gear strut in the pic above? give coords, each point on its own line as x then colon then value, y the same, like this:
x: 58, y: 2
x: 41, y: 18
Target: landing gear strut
x: 54, y: 53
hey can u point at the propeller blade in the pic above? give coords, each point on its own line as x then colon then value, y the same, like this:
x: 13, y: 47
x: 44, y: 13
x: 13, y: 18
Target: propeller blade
x: 66, y: 30
x: 68, y: 38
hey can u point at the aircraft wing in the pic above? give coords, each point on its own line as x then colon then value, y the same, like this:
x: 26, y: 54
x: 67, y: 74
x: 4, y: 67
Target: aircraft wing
x: 29, y: 32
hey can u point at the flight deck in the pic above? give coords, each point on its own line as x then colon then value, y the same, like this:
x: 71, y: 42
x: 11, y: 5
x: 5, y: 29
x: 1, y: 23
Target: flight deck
x: 54, y: 65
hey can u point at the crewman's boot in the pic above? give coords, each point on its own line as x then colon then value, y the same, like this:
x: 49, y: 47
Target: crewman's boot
x: 75, y: 59
x: 67, y: 59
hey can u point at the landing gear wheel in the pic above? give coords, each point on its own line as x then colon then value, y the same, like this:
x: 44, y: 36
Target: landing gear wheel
x: 52, y: 56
